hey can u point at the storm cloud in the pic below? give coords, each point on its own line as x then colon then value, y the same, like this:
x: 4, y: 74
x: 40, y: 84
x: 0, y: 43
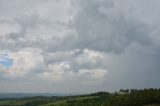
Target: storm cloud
x: 86, y: 45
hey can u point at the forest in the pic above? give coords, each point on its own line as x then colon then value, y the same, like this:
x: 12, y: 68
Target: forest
x: 123, y: 97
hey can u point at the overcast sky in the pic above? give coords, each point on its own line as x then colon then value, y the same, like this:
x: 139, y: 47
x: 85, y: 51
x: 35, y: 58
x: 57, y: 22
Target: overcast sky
x: 74, y: 46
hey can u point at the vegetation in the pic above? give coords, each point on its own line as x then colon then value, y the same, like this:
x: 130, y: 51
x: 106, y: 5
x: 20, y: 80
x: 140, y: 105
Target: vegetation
x: 135, y: 98
x: 132, y: 97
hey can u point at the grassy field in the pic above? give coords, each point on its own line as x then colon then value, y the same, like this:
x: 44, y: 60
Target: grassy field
x: 81, y: 100
x: 73, y: 99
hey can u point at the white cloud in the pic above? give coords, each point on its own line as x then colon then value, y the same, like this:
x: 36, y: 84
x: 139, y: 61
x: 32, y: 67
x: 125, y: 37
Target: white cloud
x: 92, y: 73
x: 90, y: 56
x: 54, y: 72
x: 25, y: 62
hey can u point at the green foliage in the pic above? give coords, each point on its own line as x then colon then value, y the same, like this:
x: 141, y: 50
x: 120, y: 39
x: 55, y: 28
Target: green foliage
x: 135, y: 98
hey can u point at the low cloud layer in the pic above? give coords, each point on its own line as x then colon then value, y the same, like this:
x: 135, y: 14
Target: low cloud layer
x: 78, y: 45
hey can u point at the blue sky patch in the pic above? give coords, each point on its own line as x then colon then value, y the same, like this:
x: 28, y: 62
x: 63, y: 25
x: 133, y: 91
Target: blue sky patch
x: 7, y: 62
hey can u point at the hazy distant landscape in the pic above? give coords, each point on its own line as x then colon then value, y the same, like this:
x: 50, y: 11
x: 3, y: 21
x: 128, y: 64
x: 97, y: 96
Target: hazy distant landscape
x: 21, y: 95
x: 123, y: 97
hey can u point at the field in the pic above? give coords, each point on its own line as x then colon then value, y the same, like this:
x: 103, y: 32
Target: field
x: 92, y: 99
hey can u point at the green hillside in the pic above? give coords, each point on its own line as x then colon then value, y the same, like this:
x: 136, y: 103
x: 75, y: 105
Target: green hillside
x: 132, y: 97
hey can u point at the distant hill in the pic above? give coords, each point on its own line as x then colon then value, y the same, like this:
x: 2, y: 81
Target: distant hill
x: 21, y: 95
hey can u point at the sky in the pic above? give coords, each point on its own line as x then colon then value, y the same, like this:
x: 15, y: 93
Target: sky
x: 79, y: 46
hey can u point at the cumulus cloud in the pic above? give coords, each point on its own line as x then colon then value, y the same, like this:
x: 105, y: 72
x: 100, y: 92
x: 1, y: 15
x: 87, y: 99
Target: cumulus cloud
x: 81, y: 44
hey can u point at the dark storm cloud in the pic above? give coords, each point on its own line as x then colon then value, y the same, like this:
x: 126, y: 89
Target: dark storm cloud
x: 102, y: 26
